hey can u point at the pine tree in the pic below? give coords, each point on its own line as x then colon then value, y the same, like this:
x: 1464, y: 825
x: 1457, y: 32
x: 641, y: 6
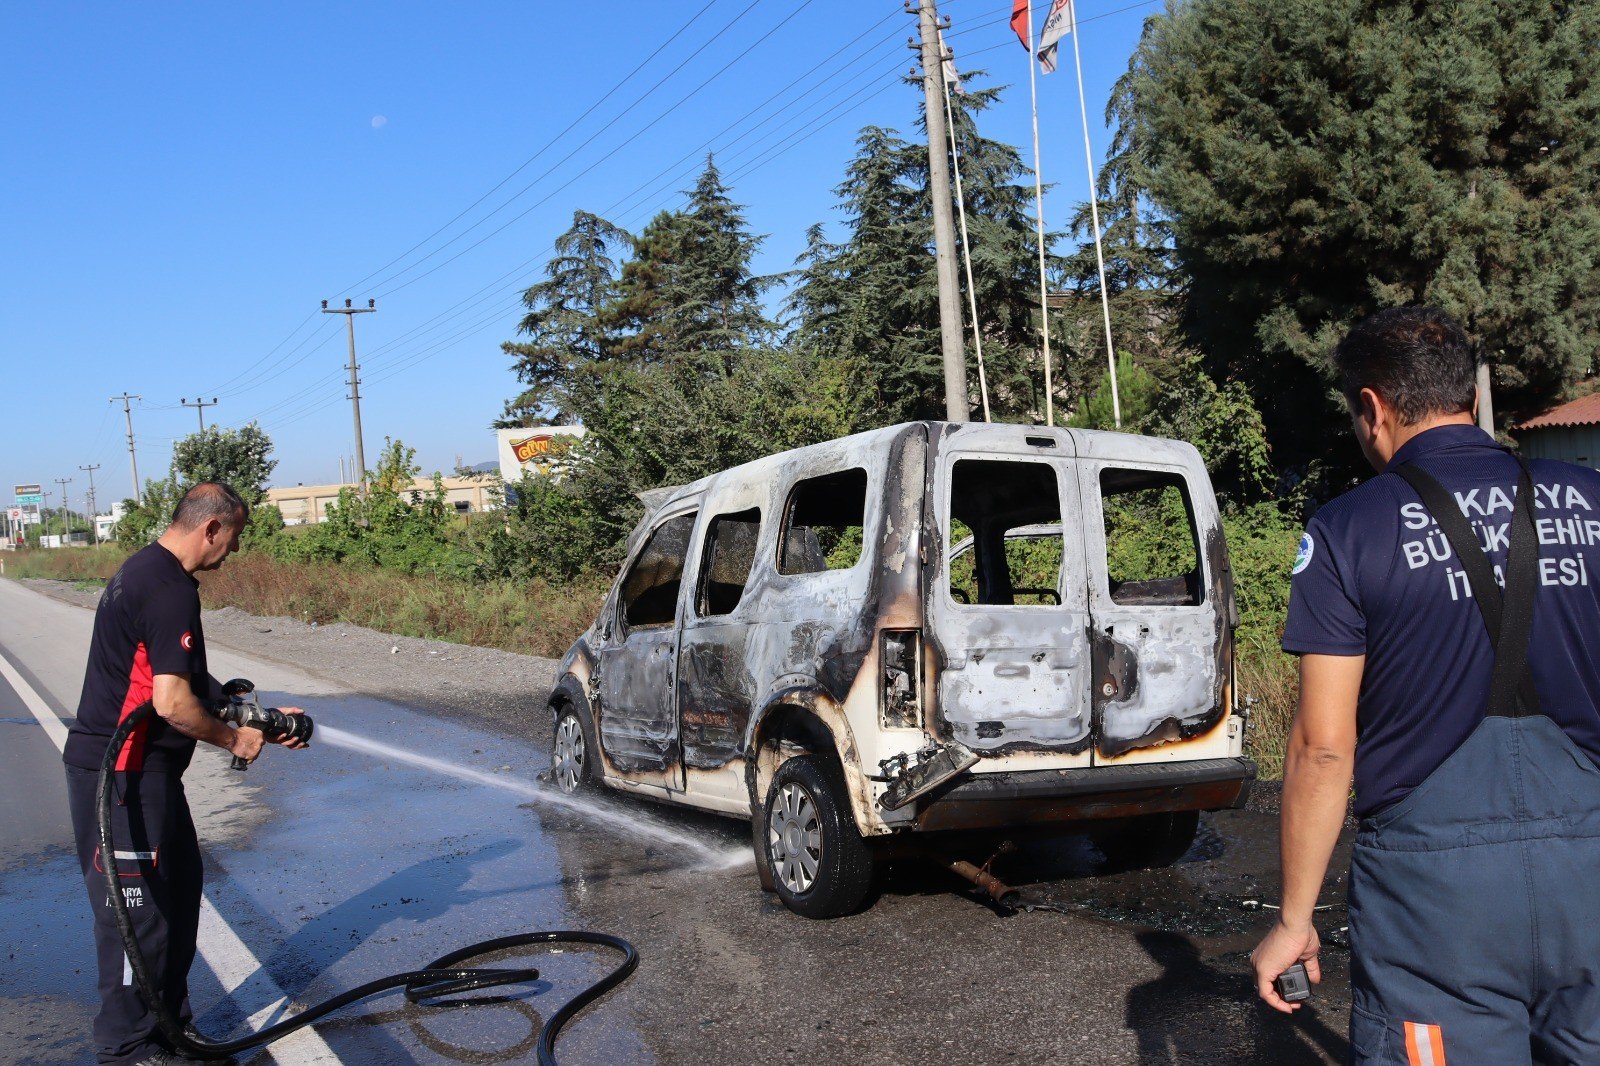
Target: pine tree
x: 1321, y: 159
x: 561, y: 325
x: 690, y: 291
x: 874, y: 295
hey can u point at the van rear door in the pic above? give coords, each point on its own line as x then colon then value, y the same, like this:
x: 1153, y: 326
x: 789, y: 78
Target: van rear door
x: 1159, y: 624
x: 1008, y: 618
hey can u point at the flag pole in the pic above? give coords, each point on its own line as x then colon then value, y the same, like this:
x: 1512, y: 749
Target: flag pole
x: 1094, y: 215
x: 1038, y: 200
x: 966, y: 250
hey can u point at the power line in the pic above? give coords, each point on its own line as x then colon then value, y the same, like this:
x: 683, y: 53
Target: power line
x: 548, y: 196
x: 647, y: 188
x: 588, y: 141
x: 553, y: 140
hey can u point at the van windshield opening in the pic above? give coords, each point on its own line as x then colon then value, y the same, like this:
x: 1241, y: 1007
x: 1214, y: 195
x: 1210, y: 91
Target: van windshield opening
x: 1004, y: 541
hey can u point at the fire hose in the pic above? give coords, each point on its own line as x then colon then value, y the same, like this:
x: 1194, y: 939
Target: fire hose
x: 441, y: 977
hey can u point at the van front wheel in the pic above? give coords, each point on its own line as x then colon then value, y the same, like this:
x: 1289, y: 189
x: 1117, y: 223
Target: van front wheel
x: 821, y: 867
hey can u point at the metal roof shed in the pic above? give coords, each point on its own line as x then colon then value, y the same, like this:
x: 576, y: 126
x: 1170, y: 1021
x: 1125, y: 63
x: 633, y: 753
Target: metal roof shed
x: 1570, y: 432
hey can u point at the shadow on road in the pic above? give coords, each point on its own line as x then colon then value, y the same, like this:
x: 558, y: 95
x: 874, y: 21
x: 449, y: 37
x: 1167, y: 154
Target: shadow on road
x: 1186, y: 1015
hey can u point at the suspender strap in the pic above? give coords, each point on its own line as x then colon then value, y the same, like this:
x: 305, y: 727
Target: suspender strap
x: 1508, y: 618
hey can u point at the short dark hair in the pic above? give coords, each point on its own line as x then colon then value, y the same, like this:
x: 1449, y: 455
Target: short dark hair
x: 208, y: 500
x: 1417, y: 358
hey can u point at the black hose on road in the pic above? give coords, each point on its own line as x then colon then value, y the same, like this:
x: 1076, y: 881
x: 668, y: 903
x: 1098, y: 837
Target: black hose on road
x: 441, y: 977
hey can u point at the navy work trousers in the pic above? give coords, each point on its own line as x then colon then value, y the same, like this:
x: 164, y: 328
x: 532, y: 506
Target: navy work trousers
x: 1475, y: 908
x: 158, y: 866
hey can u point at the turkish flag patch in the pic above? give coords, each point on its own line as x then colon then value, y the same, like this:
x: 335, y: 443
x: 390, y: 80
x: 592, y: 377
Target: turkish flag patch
x: 187, y: 640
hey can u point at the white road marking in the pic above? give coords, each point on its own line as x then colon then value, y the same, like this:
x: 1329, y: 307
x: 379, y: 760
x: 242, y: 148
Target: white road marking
x: 234, y: 964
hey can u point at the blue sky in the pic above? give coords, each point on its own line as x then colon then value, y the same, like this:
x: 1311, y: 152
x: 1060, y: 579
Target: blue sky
x: 184, y: 183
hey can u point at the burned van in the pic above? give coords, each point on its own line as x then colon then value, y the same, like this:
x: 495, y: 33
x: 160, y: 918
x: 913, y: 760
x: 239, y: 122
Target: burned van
x: 925, y: 629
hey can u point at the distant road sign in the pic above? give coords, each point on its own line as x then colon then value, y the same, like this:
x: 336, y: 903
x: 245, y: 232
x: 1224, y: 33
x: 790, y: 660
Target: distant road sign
x: 30, y: 500
x: 29, y: 490
x: 15, y: 514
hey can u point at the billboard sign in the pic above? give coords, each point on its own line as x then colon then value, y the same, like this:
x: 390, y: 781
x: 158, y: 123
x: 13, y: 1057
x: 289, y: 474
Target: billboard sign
x: 529, y: 451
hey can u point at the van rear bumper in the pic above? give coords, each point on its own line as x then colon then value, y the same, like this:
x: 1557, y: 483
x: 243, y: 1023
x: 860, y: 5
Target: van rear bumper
x: 1030, y: 797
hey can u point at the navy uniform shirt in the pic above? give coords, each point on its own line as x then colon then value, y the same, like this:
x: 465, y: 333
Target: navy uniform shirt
x: 148, y: 623
x: 1375, y: 576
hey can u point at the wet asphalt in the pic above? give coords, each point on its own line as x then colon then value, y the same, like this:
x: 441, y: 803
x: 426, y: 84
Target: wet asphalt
x: 336, y: 866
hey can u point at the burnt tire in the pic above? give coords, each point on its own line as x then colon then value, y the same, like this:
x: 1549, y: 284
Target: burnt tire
x: 1149, y: 841
x: 807, y: 838
x: 574, y: 755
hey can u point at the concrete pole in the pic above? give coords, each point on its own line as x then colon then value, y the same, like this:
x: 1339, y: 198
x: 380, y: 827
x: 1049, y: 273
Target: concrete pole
x: 944, y: 230
x: 66, y: 504
x: 349, y: 314
x: 133, y: 461
x: 94, y: 527
x: 1485, y: 400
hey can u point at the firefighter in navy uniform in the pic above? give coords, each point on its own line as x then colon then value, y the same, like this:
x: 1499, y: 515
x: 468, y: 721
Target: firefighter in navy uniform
x: 148, y: 646
x: 1447, y: 615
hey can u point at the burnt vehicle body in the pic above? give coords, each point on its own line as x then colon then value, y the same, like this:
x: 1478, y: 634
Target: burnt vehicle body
x: 918, y: 629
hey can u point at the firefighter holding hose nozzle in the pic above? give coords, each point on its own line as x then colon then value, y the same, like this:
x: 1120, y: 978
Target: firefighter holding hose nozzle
x: 148, y: 647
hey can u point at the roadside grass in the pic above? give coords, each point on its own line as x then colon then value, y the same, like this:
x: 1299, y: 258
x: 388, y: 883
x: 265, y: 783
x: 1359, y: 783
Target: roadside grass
x: 94, y: 565
x: 533, y: 618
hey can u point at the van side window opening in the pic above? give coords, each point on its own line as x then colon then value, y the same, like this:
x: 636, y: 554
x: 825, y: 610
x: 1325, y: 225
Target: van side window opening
x: 650, y: 591
x: 1009, y: 516
x: 823, y: 524
x: 1152, y: 547
x: 730, y: 553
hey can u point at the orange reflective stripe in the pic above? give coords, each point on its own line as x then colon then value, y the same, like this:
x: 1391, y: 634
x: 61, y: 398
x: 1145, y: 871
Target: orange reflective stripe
x: 1424, y: 1045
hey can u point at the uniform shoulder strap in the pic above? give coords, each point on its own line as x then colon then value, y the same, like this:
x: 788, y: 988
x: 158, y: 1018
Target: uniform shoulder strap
x: 1508, y: 618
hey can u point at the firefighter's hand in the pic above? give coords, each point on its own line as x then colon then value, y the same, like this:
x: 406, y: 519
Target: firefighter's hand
x: 1282, y: 947
x: 291, y: 742
x: 247, y: 743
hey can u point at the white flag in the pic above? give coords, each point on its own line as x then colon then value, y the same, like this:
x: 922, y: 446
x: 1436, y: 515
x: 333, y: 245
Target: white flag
x: 951, y: 78
x: 1057, y: 26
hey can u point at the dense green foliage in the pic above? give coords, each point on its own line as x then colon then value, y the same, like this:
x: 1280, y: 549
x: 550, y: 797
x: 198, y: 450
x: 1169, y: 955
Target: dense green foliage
x: 1316, y: 160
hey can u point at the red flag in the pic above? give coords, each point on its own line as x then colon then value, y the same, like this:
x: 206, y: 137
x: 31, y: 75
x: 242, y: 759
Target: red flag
x: 1019, y: 22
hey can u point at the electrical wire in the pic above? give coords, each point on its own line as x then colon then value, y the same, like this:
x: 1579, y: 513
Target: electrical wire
x: 801, y: 6
x: 586, y: 142
x: 569, y: 128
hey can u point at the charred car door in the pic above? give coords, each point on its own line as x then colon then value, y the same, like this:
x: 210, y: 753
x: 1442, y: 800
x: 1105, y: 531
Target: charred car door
x: 1010, y: 613
x: 634, y: 683
x: 1156, y: 627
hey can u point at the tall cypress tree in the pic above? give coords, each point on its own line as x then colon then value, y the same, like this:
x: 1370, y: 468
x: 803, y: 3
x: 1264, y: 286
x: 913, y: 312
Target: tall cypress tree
x: 561, y: 325
x: 690, y: 291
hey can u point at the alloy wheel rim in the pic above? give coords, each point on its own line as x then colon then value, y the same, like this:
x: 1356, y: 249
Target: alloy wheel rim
x: 794, y: 838
x: 567, y: 768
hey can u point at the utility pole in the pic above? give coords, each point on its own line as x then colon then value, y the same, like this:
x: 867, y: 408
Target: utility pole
x: 199, y: 406
x: 944, y: 231
x: 66, y: 509
x: 349, y: 314
x: 94, y: 526
x: 138, y: 493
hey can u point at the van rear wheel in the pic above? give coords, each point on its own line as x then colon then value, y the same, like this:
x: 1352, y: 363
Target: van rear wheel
x: 819, y: 863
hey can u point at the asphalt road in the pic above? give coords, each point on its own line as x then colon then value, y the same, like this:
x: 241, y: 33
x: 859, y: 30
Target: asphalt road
x: 331, y: 866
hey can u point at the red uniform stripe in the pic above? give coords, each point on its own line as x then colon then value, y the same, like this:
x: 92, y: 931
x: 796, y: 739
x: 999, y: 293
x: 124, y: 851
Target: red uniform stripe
x: 141, y: 687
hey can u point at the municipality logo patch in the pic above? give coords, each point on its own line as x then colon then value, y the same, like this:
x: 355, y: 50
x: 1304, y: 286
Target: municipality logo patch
x: 1302, y: 558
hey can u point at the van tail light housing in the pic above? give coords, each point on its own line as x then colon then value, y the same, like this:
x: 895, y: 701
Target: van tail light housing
x: 900, y: 689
